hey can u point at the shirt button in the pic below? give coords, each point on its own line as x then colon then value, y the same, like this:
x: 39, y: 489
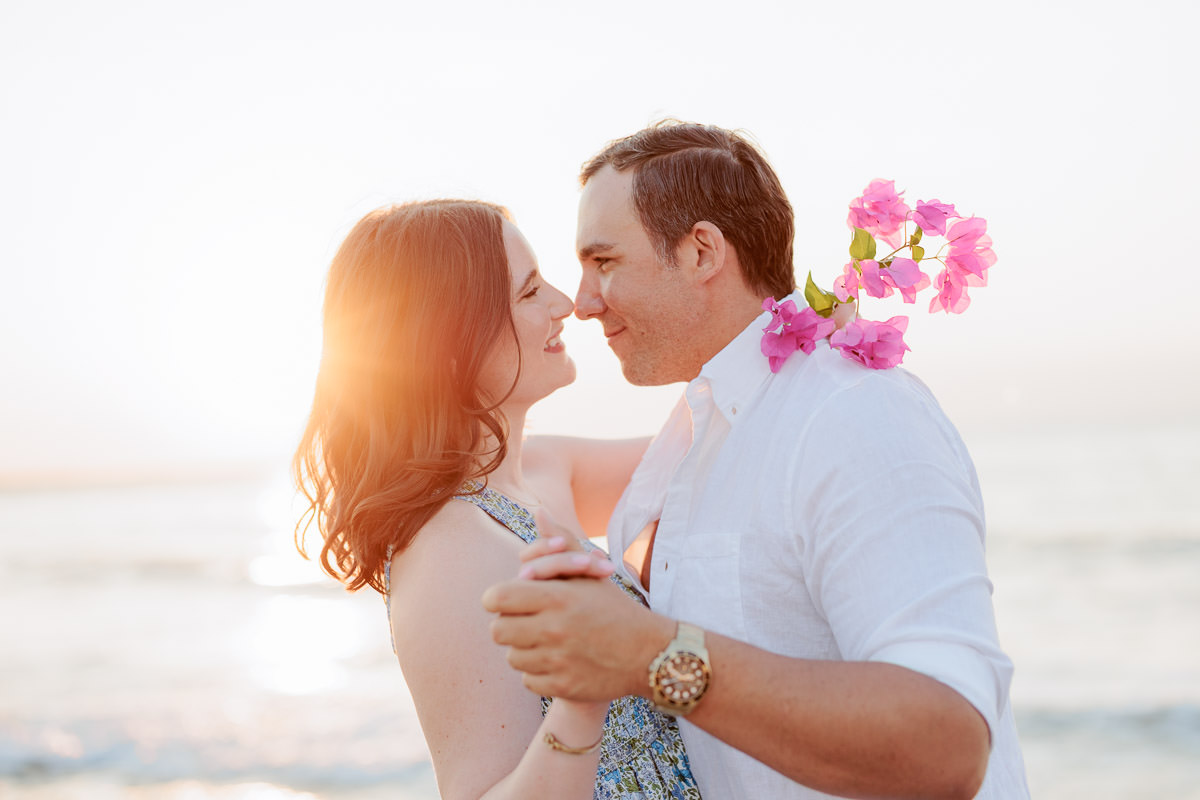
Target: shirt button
x: 734, y: 410
x: 664, y: 566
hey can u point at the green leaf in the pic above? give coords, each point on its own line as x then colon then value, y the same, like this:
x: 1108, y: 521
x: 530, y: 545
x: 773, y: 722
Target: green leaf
x: 863, y: 245
x: 915, y: 239
x: 820, y: 301
x: 917, y: 252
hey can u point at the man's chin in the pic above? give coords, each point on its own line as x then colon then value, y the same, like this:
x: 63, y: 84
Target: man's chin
x: 644, y: 375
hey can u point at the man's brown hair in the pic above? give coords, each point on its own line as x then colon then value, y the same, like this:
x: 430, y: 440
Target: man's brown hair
x: 686, y: 173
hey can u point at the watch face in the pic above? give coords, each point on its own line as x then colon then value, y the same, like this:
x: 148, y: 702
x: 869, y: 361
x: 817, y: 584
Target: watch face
x: 682, y: 677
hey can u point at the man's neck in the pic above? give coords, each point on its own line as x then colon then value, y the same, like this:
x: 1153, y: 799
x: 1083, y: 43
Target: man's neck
x: 726, y: 321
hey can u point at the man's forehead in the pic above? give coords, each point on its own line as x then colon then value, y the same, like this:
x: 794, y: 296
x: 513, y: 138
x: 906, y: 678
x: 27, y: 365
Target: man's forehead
x: 605, y: 207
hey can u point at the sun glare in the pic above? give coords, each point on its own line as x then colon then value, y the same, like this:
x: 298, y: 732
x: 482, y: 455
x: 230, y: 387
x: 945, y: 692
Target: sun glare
x: 298, y: 645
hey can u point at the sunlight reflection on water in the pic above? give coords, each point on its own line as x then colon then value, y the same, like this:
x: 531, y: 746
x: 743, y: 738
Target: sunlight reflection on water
x: 297, y: 644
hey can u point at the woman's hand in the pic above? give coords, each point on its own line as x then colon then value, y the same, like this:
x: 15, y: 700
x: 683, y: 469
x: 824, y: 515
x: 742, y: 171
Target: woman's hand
x: 559, y: 557
x: 556, y: 553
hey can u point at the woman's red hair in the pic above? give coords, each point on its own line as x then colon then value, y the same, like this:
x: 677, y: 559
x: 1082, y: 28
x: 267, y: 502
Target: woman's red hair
x: 417, y: 297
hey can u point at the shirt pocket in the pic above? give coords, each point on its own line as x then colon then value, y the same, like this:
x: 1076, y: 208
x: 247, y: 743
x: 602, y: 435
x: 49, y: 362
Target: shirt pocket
x: 707, y: 588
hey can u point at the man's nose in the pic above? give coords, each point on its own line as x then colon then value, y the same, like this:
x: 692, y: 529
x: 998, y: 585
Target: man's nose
x: 588, y: 302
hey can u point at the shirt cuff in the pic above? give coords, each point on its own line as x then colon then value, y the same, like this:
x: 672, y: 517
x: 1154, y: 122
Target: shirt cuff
x: 979, y: 679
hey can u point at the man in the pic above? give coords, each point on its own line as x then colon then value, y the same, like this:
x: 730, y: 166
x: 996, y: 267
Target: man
x: 813, y: 539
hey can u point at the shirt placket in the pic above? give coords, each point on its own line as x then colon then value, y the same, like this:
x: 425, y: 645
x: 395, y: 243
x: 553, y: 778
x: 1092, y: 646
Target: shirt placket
x: 677, y: 507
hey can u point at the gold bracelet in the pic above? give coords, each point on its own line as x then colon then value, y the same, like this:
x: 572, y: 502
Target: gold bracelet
x: 554, y: 744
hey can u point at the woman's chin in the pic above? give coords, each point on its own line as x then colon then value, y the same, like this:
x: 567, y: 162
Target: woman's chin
x: 569, y: 375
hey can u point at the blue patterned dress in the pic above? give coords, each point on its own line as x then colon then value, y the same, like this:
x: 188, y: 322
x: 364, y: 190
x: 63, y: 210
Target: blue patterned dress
x: 641, y: 754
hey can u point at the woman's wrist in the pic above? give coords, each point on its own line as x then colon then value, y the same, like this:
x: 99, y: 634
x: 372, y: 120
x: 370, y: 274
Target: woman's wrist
x: 585, y: 712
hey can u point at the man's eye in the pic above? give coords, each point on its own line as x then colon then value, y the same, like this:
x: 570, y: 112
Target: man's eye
x: 601, y: 263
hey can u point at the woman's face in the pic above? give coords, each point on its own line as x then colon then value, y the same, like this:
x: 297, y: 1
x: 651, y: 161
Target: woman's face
x: 538, y: 310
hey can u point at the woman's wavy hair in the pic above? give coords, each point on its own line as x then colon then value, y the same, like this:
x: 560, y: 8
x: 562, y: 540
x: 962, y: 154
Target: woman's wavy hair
x: 416, y: 299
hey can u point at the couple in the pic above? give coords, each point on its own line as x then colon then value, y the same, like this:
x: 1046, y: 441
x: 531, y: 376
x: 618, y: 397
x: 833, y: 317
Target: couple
x: 810, y: 542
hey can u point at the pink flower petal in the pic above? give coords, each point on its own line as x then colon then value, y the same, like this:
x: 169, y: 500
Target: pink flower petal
x: 871, y: 279
x: 931, y: 217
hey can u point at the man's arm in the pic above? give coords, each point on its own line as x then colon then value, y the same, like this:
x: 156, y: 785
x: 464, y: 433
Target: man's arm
x: 885, y: 530
x: 855, y: 729
x: 599, y: 468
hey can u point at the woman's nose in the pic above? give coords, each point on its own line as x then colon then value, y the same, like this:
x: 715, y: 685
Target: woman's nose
x: 562, y: 305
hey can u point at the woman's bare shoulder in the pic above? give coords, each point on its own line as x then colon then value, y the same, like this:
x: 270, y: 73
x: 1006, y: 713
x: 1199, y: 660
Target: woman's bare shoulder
x: 458, y: 554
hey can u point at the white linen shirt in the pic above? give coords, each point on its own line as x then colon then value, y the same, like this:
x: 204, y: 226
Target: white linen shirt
x: 830, y: 512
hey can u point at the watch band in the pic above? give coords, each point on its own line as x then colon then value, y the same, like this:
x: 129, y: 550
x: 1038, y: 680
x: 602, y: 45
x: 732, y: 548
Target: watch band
x: 689, y: 637
x: 687, y: 648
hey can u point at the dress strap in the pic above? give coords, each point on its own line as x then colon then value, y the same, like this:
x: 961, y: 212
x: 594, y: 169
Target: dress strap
x: 501, y: 508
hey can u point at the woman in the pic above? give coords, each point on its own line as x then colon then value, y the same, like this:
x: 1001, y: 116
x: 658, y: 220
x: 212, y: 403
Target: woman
x: 439, y: 335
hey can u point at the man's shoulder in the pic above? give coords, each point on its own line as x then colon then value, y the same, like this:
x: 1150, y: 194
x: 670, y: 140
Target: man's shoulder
x: 833, y: 408
x: 826, y: 378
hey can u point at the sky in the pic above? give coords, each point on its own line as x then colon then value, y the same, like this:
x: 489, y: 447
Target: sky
x: 174, y: 179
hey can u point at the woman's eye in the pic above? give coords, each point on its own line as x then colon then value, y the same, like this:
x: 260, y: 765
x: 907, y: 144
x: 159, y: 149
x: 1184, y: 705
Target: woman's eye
x: 531, y: 293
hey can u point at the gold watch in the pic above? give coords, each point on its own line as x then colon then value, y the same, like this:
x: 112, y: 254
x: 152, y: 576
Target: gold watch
x: 680, y: 675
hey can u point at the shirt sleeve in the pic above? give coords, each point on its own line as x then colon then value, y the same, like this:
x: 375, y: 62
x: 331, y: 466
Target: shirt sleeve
x: 889, y: 517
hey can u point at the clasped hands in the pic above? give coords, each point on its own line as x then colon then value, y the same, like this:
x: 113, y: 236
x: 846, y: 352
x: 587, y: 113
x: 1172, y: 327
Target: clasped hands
x: 571, y: 632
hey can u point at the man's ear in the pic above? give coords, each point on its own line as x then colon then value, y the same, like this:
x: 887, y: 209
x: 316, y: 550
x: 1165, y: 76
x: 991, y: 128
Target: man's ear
x: 710, y: 250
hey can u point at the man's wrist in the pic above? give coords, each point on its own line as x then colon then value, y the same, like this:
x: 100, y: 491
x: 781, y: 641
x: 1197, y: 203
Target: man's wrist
x: 680, y: 675
x: 658, y: 633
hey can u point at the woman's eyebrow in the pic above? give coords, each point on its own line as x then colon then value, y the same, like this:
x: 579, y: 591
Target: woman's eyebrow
x: 527, y: 282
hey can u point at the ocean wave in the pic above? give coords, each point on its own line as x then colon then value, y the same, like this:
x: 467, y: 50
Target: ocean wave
x: 1168, y: 727
x: 140, y: 752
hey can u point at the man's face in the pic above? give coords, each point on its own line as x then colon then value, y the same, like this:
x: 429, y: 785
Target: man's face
x: 647, y: 308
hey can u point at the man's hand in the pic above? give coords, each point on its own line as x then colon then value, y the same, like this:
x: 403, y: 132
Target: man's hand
x: 579, y: 638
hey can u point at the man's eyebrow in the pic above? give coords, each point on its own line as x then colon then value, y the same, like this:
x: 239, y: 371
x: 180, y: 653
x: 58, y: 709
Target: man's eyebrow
x: 525, y: 284
x: 593, y: 249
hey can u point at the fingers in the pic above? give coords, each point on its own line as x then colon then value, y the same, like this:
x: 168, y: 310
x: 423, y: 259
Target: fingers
x: 542, y: 685
x: 554, y: 544
x: 524, y: 636
x: 520, y: 597
x: 545, y: 678
x: 567, y: 565
x: 548, y: 527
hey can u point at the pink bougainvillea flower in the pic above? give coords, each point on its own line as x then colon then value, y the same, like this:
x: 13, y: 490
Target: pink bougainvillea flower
x: 845, y: 286
x: 789, y: 331
x: 879, y: 211
x: 972, y: 262
x: 809, y: 327
x: 951, y: 294
x: 872, y: 281
x: 931, y: 217
x: 902, y: 274
x: 965, y: 233
x: 970, y: 248
x: 878, y: 345
x: 906, y: 276
x: 777, y: 310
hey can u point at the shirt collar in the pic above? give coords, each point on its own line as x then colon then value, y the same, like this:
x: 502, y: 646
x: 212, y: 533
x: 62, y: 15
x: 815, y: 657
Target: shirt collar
x: 737, y: 374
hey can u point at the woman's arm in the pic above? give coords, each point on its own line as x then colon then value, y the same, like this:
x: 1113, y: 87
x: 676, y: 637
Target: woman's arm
x: 599, y: 470
x: 484, y: 729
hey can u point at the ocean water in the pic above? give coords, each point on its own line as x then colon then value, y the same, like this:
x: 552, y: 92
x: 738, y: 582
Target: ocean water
x: 166, y: 642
